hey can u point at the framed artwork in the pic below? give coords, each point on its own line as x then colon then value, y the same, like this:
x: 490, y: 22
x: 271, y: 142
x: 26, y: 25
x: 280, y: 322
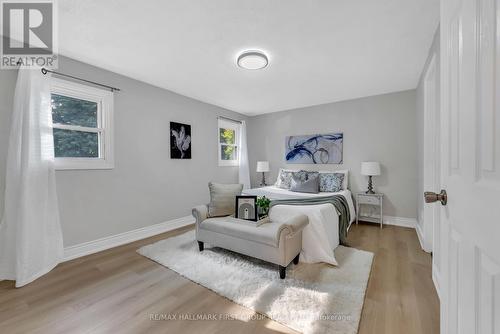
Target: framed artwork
x: 246, y: 207
x: 180, y: 141
x: 314, y: 149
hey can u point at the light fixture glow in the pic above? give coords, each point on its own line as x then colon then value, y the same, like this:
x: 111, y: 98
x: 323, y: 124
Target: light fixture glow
x: 252, y: 60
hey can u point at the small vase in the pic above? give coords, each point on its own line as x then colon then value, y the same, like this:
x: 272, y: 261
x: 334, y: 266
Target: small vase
x: 262, y: 211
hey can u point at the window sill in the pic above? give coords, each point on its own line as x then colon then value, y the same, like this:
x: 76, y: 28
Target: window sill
x: 82, y: 164
x: 228, y: 164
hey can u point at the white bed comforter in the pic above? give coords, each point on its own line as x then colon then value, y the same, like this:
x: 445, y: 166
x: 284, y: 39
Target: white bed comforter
x: 321, y: 236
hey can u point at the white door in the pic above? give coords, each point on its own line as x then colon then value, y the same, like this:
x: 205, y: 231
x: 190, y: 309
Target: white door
x: 470, y: 166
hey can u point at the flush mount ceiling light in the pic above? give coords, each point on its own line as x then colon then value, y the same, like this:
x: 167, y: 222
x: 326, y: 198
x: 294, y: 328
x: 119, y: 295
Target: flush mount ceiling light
x: 252, y: 60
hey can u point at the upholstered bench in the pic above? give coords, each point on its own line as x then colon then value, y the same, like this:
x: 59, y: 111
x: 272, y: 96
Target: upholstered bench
x: 275, y: 242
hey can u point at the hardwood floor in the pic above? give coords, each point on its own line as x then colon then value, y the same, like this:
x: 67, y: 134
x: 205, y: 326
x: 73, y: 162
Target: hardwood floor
x: 119, y: 291
x: 400, y: 297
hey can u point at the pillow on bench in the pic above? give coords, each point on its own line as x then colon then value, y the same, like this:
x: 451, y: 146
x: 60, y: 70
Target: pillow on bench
x: 223, y: 198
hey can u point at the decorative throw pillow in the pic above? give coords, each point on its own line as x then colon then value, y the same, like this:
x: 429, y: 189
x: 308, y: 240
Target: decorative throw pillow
x: 311, y: 174
x: 330, y: 182
x: 345, y: 172
x: 309, y: 186
x: 301, y: 175
x: 284, y: 179
x: 223, y: 198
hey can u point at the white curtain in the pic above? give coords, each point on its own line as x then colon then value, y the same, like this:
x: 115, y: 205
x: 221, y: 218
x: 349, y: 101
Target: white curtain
x: 30, y: 233
x: 244, y: 172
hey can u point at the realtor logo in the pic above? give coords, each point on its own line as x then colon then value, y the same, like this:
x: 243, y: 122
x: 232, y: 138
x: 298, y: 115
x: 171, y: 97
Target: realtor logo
x: 28, y: 33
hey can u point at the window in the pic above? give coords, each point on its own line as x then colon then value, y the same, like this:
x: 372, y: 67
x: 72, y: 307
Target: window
x: 229, y: 138
x: 82, y: 118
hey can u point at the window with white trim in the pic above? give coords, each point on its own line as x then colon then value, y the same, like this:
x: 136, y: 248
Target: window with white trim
x: 82, y: 118
x: 228, y: 142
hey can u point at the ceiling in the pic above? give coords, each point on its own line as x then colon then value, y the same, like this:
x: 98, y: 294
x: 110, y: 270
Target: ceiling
x: 319, y: 51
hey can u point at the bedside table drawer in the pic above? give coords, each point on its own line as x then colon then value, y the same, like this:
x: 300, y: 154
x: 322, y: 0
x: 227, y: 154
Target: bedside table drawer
x: 368, y: 200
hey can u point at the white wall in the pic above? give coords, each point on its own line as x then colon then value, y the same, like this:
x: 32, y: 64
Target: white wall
x: 146, y: 187
x: 380, y: 128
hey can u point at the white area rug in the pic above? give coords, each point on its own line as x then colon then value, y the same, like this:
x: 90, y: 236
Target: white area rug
x: 314, y: 298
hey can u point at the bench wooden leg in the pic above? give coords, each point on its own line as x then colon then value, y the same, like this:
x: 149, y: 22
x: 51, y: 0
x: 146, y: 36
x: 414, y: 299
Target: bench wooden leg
x: 296, y: 259
x: 282, y: 272
x: 200, y: 246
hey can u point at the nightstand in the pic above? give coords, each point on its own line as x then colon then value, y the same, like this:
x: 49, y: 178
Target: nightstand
x: 372, y: 201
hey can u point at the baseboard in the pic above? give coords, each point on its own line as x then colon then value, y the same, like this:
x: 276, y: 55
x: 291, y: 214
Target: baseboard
x: 91, y: 247
x: 436, y: 279
x: 420, y: 236
x: 400, y: 221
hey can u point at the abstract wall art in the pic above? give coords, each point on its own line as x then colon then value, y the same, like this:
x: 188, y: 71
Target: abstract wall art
x: 314, y: 149
x: 180, y: 141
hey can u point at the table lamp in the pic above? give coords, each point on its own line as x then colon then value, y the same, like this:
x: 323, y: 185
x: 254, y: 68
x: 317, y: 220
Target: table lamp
x: 263, y: 167
x: 370, y: 168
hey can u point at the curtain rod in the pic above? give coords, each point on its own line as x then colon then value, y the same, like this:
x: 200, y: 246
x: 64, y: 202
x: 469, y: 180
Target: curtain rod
x: 229, y: 119
x: 113, y: 89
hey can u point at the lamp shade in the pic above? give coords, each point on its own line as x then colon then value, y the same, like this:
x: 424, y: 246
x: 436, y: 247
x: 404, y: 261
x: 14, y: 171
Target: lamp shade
x: 262, y: 166
x: 370, y: 168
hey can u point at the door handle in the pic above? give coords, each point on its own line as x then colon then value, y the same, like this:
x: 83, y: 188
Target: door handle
x: 431, y: 197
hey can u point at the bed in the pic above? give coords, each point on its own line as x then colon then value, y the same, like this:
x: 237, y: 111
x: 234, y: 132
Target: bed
x: 321, y: 236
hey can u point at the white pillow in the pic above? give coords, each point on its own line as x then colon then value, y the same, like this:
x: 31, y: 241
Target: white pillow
x: 345, y: 183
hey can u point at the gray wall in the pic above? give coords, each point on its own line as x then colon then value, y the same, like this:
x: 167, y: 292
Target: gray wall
x: 379, y: 128
x: 435, y: 49
x: 145, y: 187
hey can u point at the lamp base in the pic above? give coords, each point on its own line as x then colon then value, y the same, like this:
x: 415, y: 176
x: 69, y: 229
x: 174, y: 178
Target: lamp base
x: 263, y: 182
x: 370, y: 186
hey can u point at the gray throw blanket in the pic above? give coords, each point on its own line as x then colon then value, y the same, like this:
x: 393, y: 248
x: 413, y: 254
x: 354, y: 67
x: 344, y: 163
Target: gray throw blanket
x: 338, y: 201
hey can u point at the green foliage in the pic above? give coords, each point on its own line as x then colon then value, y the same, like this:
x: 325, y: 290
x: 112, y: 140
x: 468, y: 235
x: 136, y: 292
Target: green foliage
x: 228, y: 152
x: 227, y: 136
x: 263, y: 202
x: 77, y: 144
x: 71, y: 111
